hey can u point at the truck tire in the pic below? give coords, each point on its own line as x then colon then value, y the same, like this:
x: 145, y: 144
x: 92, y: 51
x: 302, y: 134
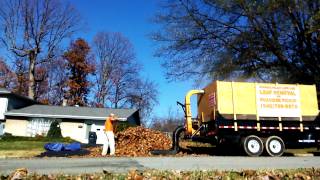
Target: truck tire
x: 252, y: 145
x: 275, y: 146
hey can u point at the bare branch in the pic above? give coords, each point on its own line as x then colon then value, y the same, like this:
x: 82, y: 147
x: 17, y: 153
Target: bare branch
x: 34, y: 29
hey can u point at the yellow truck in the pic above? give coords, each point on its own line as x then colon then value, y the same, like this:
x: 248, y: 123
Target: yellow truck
x: 257, y: 116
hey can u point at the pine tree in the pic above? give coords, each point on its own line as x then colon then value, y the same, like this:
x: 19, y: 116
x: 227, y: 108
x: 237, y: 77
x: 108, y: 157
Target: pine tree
x: 55, y: 130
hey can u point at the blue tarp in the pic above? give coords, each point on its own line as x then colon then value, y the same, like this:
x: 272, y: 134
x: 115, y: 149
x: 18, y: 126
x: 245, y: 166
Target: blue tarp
x: 72, y: 147
x: 62, y: 147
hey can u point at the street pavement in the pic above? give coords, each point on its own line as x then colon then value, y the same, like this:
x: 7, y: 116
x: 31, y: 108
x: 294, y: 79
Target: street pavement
x: 124, y: 164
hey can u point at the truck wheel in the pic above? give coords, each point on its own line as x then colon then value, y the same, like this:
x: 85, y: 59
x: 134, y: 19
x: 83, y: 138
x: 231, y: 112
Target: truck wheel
x: 253, y: 145
x: 275, y: 146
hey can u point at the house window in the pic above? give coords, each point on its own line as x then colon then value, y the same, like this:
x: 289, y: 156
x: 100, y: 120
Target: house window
x: 38, y: 126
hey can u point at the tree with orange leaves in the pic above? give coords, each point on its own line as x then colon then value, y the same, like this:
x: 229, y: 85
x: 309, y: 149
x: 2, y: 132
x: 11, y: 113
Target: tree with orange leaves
x: 8, y: 78
x: 79, y: 68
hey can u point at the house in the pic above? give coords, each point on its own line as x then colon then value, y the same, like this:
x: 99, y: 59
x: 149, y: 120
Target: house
x: 75, y: 122
x: 10, y: 101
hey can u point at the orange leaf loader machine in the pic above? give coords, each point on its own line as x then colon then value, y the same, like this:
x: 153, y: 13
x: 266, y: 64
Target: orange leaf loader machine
x: 257, y: 116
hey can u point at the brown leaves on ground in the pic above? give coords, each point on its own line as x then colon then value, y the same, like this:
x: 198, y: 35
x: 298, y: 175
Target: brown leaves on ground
x: 135, y: 175
x: 296, y: 174
x: 20, y: 173
x: 136, y: 141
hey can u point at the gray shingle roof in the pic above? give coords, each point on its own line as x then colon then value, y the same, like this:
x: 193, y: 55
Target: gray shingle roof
x: 69, y: 112
x: 6, y: 92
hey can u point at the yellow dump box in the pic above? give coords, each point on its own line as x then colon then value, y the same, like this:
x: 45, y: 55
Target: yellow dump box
x: 264, y: 101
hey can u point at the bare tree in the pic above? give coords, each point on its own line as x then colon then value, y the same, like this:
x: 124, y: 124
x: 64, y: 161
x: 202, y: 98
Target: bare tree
x: 41, y: 83
x: 57, y: 81
x: 122, y: 81
x: 118, y: 82
x: 21, y: 71
x: 268, y: 40
x: 116, y: 68
x: 167, y: 123
x: 33, y: 29
x: 143, y: 96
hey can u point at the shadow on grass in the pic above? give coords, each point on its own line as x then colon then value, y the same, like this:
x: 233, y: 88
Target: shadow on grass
x: 213, y: 151
x: 81, y: 152
x: 301, y: 154
x: 315, y: 153
x: 293, y: 149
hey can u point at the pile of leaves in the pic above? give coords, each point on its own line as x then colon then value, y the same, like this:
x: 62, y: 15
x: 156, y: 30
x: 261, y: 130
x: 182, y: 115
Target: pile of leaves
x: 136, y: 141
x: 299, y: 174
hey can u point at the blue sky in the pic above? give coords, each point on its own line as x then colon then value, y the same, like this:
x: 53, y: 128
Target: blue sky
x: 132, y: 19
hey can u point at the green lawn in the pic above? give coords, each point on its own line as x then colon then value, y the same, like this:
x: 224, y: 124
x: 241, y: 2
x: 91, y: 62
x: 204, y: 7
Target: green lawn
x: 26, y: 146
x: 21, y: 145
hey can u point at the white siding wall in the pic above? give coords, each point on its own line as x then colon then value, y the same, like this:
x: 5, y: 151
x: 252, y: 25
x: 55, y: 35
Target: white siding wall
x: 38, y: 126
x: 74, y: 130
x: 16, y: 127
x: 3, y: 107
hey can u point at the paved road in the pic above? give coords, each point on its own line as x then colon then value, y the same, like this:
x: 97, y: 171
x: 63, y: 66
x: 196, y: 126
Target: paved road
x: 122, y: 164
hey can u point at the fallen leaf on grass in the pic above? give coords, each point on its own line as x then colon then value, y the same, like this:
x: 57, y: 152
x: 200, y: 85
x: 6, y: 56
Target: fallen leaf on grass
x: 20, y: 173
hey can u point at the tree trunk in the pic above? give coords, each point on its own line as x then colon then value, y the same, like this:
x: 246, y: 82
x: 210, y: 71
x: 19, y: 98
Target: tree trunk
x: 116, y: 98
x: 31, y: 85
